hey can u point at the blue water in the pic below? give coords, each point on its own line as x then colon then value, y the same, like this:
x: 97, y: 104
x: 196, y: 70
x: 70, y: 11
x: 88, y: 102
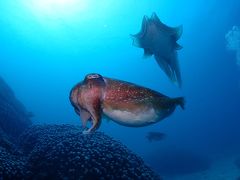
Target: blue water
x: 46, y: 47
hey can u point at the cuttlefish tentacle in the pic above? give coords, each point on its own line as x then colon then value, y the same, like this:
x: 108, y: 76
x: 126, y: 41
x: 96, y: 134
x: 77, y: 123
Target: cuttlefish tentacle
x: 84, y: 116
x: 90, y: 101
x: 95, y: 113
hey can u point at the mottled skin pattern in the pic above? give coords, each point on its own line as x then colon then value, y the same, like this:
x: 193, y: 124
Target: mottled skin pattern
x: 127, y: 96
x: 125, y: 103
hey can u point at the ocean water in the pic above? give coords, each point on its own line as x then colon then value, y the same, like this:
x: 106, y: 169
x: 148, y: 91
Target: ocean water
x: 47, y: 46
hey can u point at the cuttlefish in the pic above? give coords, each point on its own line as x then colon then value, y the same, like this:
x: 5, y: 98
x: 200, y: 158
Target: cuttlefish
x: 125, y: 103
x: 159, y: 40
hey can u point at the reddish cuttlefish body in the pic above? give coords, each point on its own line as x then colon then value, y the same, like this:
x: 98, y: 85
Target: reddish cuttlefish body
x: 125, y: 103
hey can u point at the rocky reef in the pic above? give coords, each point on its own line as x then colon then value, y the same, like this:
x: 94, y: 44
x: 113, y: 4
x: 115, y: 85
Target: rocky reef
x: 12, y: 164
x: 14, y: 118
x: 63, y: 152
x: 59, y: 151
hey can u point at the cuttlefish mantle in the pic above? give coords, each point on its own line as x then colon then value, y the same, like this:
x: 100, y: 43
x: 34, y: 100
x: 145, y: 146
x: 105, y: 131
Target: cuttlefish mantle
x: 125, y: 103
x: 160, y: 40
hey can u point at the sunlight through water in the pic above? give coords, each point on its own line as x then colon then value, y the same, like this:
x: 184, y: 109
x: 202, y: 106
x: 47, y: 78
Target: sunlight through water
x: 56, y: 9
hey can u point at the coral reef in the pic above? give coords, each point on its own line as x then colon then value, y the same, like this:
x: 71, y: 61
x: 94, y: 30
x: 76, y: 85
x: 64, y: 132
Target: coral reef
x: 62, y: 151
x: 14, y: 118
x: 12, y: 164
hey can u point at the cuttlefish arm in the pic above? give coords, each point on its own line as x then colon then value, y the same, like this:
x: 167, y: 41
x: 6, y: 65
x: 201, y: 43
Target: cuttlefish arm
x: 84, y: 116
x: 74, y: 99
x: 94, y: 112
x: 90, y: 101
x: 86, y: 98
x: 137, y: 38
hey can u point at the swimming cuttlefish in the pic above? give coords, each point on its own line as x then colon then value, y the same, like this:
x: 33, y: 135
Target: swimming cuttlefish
x: 159, y: 40
x: 125, y: 103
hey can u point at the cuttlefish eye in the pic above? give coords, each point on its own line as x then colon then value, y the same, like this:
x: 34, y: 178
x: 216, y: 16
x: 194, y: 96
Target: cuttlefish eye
x: 93, y: 76
x: 95, y: 79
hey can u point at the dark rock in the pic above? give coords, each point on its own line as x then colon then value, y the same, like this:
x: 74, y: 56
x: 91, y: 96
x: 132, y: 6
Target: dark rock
x: 58, y: 151
x: 14, y: 118
x: 13, y: 121
x: 6, y: 143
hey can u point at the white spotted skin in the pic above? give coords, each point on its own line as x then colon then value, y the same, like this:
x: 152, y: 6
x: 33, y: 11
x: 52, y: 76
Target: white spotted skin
x: 125, y: 103
x: 131, y: 105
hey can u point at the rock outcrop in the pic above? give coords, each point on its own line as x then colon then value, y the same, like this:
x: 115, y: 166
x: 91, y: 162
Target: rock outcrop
x: 14, y: 118
x: 63, y: 152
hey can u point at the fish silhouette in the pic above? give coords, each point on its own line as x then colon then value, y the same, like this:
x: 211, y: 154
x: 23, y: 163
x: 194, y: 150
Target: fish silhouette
x: 155, y: 136
x: 159, y: 40
x: 125, y: 103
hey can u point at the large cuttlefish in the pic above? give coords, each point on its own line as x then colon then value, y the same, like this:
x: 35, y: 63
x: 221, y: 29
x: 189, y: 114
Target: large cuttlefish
x: 125, y: 103
x: 159, y: 40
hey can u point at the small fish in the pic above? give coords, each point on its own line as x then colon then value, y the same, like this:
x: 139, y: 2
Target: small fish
x: 159, y: 40
x: 155, y: 136
x: 125, y: 103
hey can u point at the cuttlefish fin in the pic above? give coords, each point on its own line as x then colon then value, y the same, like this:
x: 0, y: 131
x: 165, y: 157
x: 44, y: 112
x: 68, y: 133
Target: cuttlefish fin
x: 147, y: 53
x: 85, y: 116
x: 178, y: 32
x: 179, y: 101
x: 137, y: 38
x: 175, y: 32
x: 95, y: 112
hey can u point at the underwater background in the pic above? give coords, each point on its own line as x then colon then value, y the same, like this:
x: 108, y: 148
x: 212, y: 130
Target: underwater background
x: 47, y: 46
